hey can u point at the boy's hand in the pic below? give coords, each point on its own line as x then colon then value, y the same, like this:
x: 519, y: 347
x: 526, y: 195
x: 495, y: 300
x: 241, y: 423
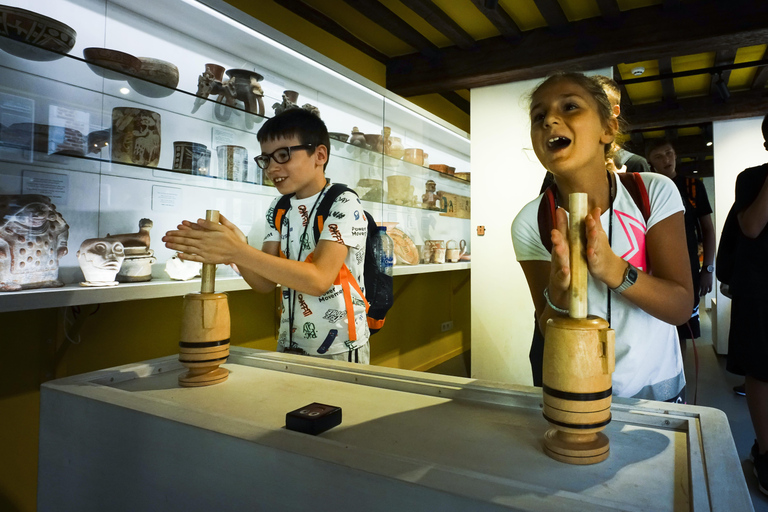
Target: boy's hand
x: 206, y: 241
x: 560, y: 270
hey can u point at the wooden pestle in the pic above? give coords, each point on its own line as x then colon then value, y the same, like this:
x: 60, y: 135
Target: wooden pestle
x: 578, y: 292
x: 208, y: 273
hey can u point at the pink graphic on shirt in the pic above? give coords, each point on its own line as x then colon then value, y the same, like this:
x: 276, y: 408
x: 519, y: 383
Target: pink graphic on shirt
x: 634, y: 229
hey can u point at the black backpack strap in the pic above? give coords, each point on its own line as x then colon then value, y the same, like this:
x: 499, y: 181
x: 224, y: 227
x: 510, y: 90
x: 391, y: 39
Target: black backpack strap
x: 324, y: 208
x: 278, y: 214
x: 546, y: 215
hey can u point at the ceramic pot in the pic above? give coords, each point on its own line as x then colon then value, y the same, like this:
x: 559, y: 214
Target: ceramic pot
x: 21, y: 26
x: 156, y: 78
x: 33, y: 237
x: 191, y: 157
x: 243, y: 85
x: 369, y: 189
x: 357, y: 138
x: 233, y: 162
x: 135, y: 136
x: 414, y: 156
x: 435, y: 251
x: 136, y: 268
x: 100, y: 260
x: 373, y: 140
x: 111, y: 64
x: 210, y: 82
x: 395, y: 149
x: 399, y: 190
x: 452, y: 252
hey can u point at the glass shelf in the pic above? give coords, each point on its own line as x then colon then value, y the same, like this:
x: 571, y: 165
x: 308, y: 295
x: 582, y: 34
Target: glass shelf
x: 57, y: 136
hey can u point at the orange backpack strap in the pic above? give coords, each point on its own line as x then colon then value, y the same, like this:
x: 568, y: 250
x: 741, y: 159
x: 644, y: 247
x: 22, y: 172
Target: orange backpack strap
x: 276, y: 219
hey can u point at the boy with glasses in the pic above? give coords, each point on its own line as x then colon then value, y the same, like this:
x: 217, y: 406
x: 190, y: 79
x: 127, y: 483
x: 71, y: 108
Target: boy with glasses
x: 323, y: 304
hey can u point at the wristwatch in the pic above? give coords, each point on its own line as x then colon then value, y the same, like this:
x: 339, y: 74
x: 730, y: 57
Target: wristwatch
x: 630, y: 276
x: 710, y: 268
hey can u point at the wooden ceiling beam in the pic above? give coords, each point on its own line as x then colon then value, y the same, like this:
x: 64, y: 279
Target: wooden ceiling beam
x: 668, y: 94
x: 457, y: 100
x: 436, y: 17
x: 322, y: 21
x: 643, y: 34
x: 391, y: 22
x: 609, y: 9
x: 552, y: 13
x: 699, y: 110
x: 500, y: 19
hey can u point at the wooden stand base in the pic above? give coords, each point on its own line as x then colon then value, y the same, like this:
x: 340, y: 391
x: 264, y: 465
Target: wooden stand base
x: 576, y: 448
x: 203, y: 377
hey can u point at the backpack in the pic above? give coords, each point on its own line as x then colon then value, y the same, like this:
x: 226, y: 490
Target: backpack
x: 726, y: 249
x: 379, y: 294
x: 632, y: 181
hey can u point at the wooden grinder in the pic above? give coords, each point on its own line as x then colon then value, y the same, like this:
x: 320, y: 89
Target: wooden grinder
x: 578, y: 363
x: 204, y: 341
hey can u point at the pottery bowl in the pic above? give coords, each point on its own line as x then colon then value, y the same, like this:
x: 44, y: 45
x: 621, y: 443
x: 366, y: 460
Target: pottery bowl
x: 439, y: 167
x: 111, y: 64
x: 21, y: 26
x: 154, y: 72
x: 136, y: 269
x: 339, y: 136
x: 372, y: 139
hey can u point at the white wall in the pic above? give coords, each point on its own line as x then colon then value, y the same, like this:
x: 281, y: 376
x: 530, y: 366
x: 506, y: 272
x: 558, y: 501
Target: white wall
x: 738, y: 144
x: 505, y: 176
x: 504, y: 179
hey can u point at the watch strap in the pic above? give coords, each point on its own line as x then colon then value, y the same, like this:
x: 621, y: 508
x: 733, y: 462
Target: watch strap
x: 630, y: 276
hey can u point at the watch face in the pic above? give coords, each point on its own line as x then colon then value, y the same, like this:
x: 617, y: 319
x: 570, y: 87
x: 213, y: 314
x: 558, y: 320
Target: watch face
x: 710, y: 268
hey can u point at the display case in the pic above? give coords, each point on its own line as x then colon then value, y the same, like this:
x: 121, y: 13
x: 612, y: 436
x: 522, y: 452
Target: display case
x: 110, y: 145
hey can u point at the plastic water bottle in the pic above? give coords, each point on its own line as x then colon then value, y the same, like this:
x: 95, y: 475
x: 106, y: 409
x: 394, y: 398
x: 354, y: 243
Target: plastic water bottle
x: 385, y: 257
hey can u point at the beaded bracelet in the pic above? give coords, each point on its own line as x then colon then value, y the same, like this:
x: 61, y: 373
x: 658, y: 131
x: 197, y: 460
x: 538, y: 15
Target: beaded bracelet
x: 554, y: 308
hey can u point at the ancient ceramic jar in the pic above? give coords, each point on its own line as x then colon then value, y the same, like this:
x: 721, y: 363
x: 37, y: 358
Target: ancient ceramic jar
x: 100, y: 260
x: 357, y: 138
x: 111, y: 64
x: 33, y: 237
x: 191, y: 157
x: 243, y: 85
x: 399, y: 190
x: 233, y: 162
x: 135, y: 136
x: 414, y: 156
x: 290, y: 98
x: 156, y: 78
x: 137, y: 268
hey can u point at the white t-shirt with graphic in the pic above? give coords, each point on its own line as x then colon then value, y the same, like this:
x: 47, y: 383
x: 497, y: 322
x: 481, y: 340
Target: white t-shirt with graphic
x: 648, y: 359
x: 320, y: 324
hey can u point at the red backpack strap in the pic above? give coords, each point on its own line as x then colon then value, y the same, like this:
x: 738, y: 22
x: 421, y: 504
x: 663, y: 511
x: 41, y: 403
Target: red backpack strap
x: 635, y: 185
x: 546, y: 216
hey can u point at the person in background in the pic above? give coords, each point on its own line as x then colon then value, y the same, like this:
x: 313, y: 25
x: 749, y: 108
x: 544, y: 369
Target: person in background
x: 748, y: 336
x: 315, y: 321
x: 698, y: 225
x: 572, y: 128
x: 621, y: 159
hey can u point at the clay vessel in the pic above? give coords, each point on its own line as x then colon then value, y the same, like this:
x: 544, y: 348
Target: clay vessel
x: 33, y: 237
x: 243, y: 85
x: 28, y: 32
x: 111, y: 64
x: 135, y: 136
x: 100, y: 260
x: 156, y: 78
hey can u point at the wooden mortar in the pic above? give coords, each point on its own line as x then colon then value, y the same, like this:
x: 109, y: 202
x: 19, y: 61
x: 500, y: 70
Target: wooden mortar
x: 578, y: 363
x: 205, y: 330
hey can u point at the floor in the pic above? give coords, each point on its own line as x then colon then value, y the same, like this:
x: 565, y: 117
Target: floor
x: 715, y: 389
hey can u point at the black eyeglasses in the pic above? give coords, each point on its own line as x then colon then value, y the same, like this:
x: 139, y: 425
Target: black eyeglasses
x: 280, y: 155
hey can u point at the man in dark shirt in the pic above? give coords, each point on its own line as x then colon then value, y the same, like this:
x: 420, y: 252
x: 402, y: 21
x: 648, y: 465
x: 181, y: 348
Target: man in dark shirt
x: 698, y: 226
x: 748, y: 336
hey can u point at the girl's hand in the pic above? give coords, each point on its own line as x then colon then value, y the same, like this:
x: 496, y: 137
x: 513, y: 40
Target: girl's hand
x: 560, y: 269
x: 603, y: 263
